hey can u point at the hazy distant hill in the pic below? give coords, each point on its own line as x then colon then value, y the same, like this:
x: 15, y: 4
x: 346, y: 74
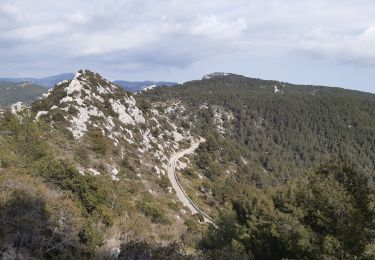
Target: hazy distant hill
x: 135, y: 86
x: 11, y: 92
x: 51, y: 81
x: 47, y: 82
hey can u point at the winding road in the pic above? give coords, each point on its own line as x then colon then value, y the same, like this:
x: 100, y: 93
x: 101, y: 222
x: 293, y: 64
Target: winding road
x: 176, y: 185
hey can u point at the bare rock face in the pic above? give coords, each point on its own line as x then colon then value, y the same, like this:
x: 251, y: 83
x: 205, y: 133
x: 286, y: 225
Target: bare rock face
x: 17, y: 107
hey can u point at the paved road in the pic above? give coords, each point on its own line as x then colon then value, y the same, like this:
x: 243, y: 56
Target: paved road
x: 180, y: 192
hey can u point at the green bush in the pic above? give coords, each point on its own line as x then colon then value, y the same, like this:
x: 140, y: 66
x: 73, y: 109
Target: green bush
x: 66, y: 177
x: 326, y: 215
x: 98, y: 142
x: 39, y: 224
x: 25, y: 136
x: 190, y: 172
x: 145, y: 251
x: 144, y: 105
x: 164, y: 182
x: 81, y: 155
x: 90, y: 237
x: 156, y: 214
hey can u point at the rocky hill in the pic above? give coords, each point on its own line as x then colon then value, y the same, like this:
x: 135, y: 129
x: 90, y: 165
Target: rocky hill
x: 110, y: 149
x: 90, y: 105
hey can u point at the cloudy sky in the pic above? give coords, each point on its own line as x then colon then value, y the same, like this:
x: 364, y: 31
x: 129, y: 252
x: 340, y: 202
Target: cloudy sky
x: 328, y: 42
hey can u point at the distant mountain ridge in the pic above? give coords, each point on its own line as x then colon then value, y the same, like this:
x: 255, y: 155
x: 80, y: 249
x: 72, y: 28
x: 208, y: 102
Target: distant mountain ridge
x: 14, y: 90
x: 135, y: 86
x: 47, y: 82
x: 51, y: 81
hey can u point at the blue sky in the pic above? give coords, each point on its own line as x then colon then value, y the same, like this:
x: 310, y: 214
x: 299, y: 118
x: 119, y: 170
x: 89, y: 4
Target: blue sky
x: 326, y: 42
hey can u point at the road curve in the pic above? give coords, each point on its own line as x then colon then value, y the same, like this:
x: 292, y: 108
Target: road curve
x: 180, y: 192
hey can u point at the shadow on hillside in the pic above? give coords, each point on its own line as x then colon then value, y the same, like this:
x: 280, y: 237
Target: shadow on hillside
x: 27, y: 229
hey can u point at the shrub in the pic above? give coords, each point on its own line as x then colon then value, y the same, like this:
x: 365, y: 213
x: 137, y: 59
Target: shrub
x: 25, y: 136
x: 66, y: 177
x: 98, y: 142
x: 189, y: 172
x: 164, y: 182
x: 144, y: 105
x: 38, y: 221
x: 82, y: 155
x: 90, y: 237
x: 157, y: 215
x: 145, y: 251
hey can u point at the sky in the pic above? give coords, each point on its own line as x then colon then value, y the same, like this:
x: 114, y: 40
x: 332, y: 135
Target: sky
x: 323, y: 42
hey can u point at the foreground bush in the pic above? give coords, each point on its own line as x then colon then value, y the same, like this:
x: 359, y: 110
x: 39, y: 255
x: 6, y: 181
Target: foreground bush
x: 328, y: 214
x: 145, y: 251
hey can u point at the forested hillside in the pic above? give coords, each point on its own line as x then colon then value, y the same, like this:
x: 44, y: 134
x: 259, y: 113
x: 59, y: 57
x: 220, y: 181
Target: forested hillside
x: 280, y: 129
x: 287, y: 170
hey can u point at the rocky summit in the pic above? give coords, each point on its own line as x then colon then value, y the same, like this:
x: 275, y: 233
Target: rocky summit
x: 91, y: 104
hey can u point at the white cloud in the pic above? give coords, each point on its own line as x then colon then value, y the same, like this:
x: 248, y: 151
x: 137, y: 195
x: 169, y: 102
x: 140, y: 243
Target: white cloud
x: 113, y: 40
x: 77, y: 17
x: 34, y: 32
x: 211, y: 26
x: 9, y: 9
x: 148, y: 35
x: 357, y: 47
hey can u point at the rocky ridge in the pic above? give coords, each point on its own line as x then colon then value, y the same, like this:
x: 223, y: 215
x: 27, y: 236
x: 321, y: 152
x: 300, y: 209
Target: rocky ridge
x: 90, y: 103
